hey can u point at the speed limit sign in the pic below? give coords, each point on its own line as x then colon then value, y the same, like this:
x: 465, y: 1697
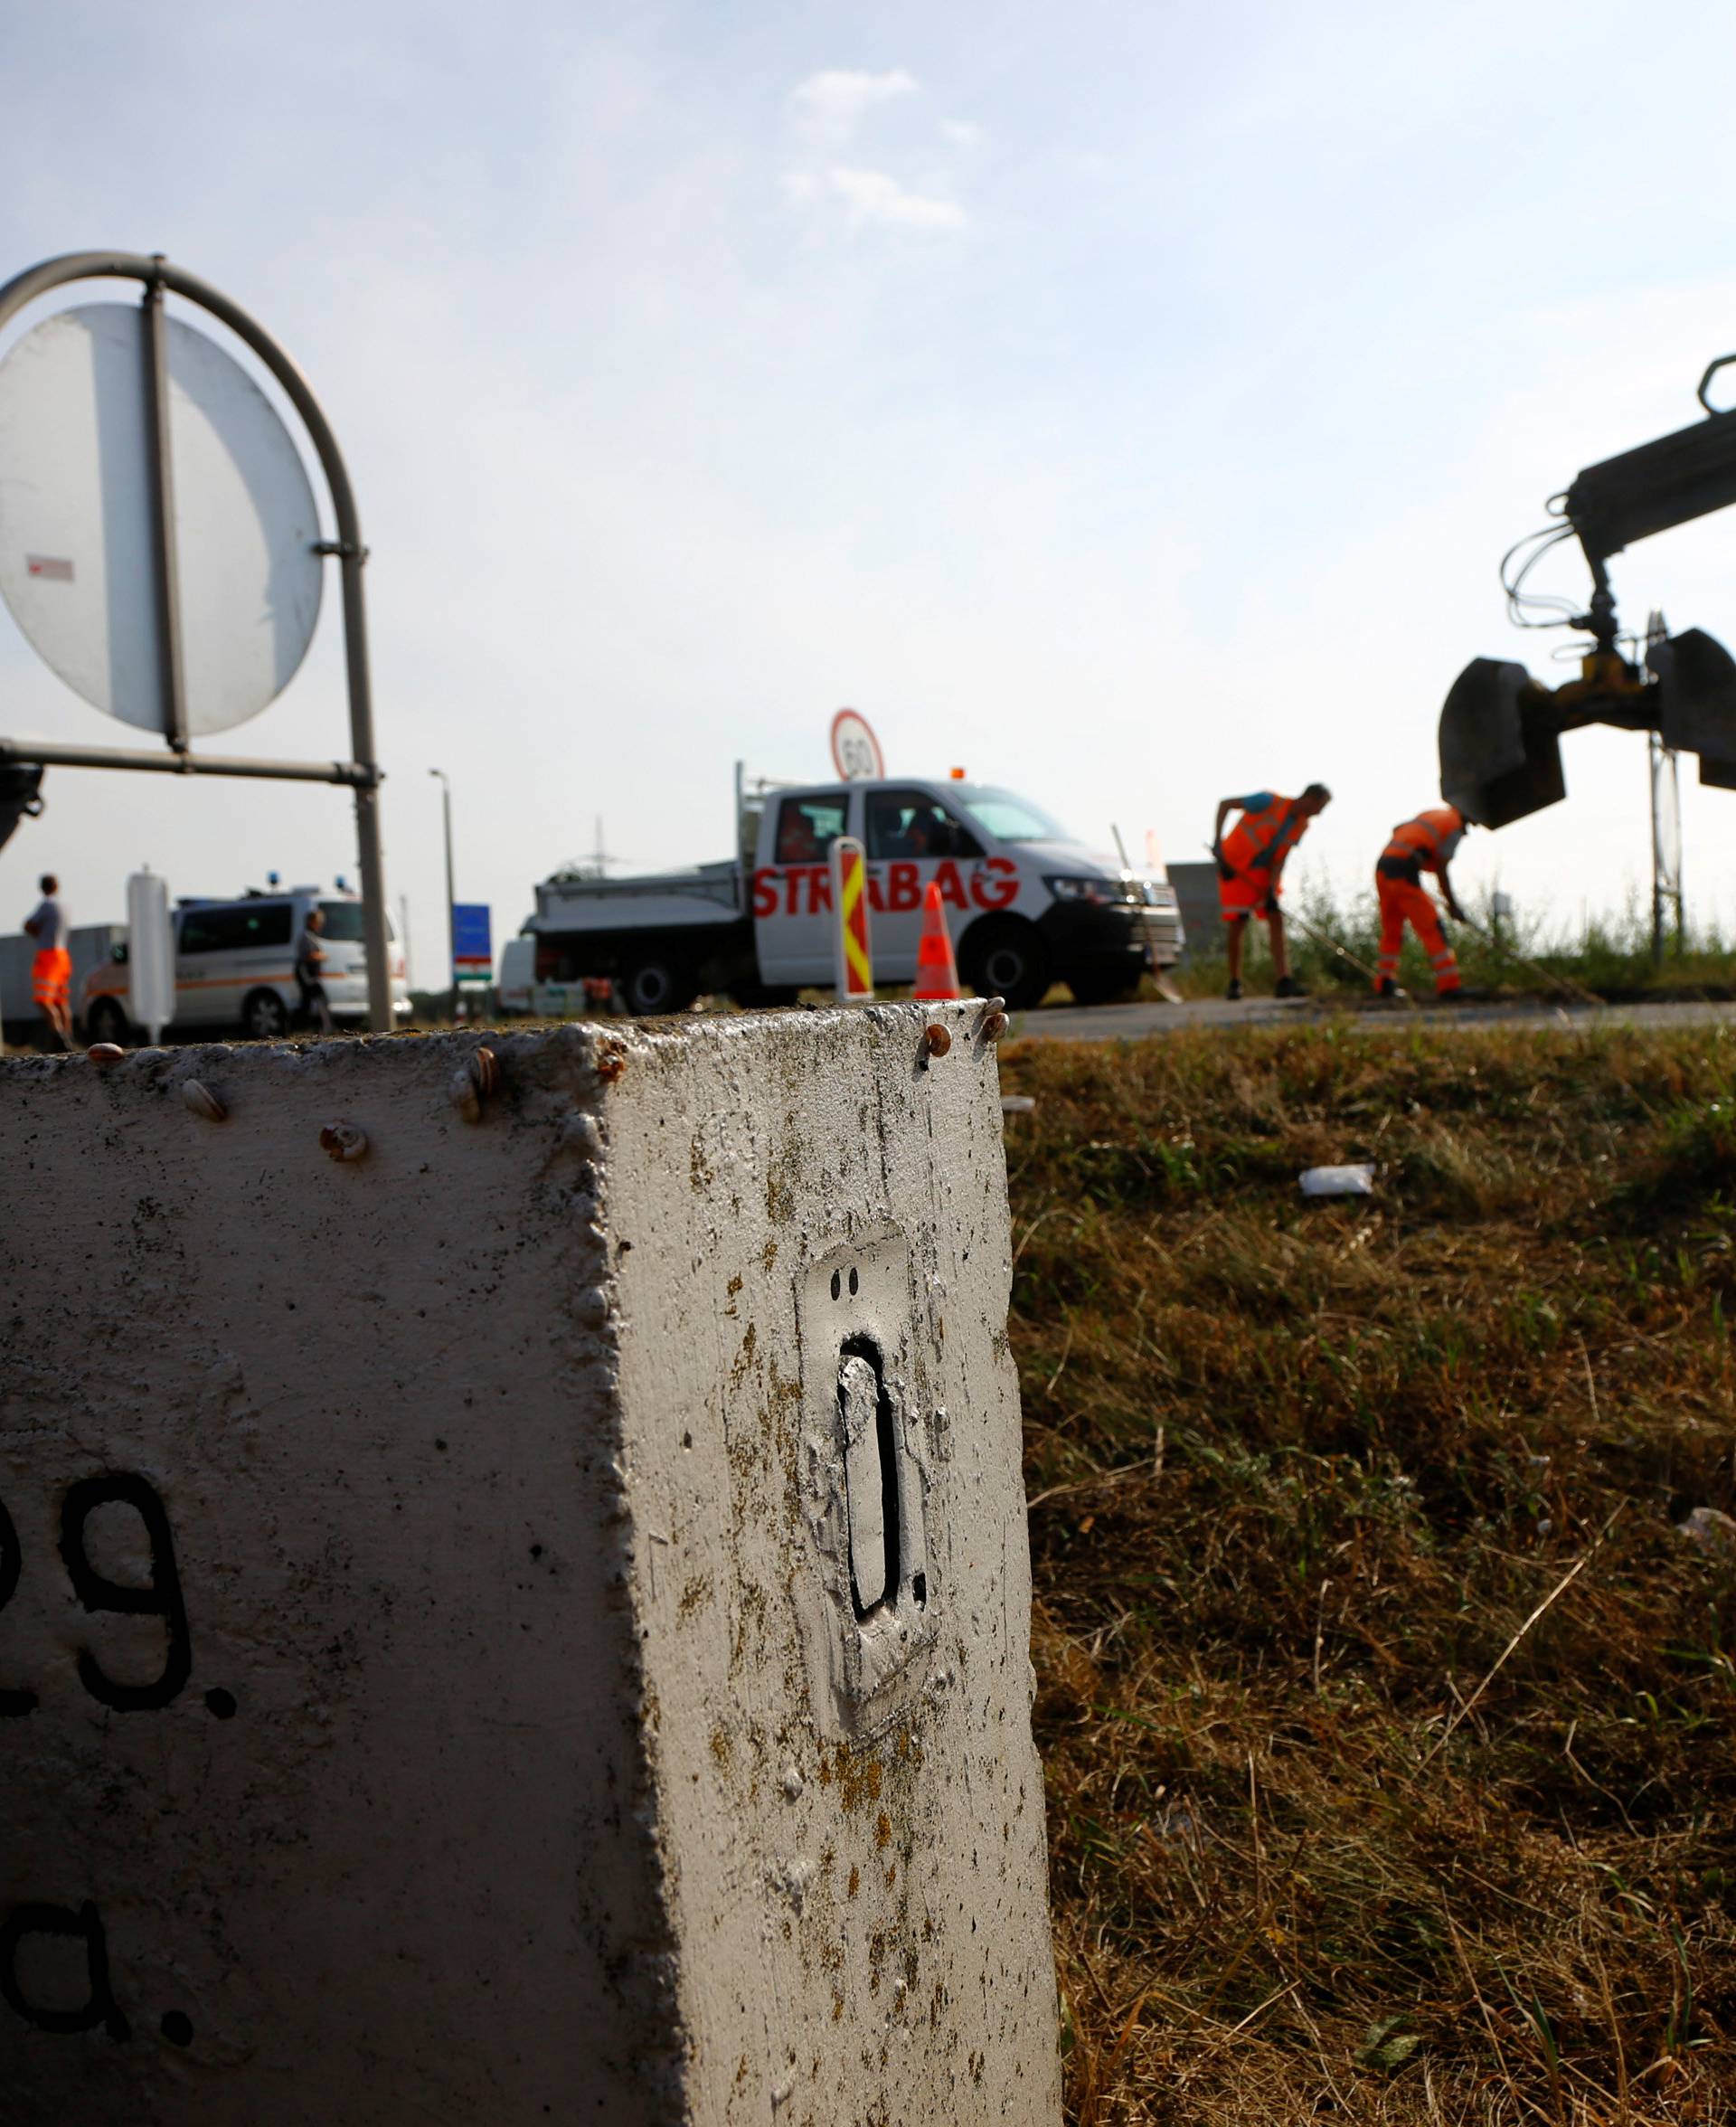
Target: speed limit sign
x: 856, y: 751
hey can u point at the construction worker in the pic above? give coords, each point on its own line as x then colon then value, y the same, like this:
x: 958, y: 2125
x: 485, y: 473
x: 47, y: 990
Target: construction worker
x: 1426, y: 844
x: 50, y: 970
x: 1251, y: 865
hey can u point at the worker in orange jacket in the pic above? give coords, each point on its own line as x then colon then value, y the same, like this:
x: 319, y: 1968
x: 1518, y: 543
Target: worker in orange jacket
x: 1426, y: 844
x: 1250, y: 867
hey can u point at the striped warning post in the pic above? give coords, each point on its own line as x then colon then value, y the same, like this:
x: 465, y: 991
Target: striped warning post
x: 855, y: 963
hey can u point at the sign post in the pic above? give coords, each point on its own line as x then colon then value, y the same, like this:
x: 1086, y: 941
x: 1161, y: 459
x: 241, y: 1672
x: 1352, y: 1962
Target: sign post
x: 150, y: 954
x: 855, y: 965
x: 160, y: 546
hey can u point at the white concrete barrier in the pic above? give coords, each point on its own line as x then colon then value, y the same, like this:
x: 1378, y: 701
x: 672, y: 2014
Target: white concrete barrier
x: 513, y: 1586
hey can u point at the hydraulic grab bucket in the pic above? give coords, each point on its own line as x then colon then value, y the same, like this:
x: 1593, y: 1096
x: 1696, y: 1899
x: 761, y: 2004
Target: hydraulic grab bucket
x: 1695, y: 681
x: 1500, y: 755
x: 1500, y: 728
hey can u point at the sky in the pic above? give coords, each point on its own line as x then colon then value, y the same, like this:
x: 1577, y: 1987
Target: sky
x: 1129, y: 405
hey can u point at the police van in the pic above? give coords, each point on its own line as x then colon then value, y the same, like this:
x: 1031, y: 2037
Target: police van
x: 234, y: 968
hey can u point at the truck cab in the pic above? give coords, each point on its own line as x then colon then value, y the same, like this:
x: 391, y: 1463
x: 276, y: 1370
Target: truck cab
x: 1025, y: 903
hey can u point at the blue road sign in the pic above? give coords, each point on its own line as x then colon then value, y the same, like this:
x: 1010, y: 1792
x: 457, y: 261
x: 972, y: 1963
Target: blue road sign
x: 473, y: 950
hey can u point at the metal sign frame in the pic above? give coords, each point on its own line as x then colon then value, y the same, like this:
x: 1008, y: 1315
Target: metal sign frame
x: 1666, y: 847
x: 362, y: 772
x: 1665, y: 785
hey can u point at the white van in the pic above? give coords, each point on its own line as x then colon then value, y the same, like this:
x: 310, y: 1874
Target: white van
x: 515, y: 985
x: 234, y: 968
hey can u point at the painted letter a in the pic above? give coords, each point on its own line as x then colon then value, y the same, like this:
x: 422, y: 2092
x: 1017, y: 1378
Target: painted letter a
x: 100, y: 2006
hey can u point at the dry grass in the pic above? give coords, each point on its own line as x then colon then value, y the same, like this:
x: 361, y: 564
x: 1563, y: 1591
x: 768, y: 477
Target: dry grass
x: 1346, y: 1818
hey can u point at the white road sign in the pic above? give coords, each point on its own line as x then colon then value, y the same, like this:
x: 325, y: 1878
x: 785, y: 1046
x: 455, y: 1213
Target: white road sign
x: 76, y: 553
x: 856, y: 751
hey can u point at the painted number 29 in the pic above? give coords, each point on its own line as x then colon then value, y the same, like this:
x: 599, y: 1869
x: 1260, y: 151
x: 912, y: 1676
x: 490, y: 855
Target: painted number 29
x: 159, y: 1597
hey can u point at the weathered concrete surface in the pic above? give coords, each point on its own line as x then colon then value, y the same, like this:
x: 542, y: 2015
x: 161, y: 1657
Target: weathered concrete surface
x: 504, y: 1742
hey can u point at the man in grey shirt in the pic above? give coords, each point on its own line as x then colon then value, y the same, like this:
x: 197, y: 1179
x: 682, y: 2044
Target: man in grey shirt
x: 310, y: 973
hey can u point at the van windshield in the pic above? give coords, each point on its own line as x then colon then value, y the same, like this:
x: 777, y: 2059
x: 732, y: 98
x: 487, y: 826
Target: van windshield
x: 344, y: 923
x: 1006, y: 817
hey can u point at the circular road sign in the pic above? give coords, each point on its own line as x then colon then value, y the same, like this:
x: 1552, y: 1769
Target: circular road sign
x: 856, y: 751
x: 77, y: 557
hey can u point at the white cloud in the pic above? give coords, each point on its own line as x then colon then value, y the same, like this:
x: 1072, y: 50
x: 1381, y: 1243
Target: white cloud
x: 829, y: 106
x: 873, y: 198
x: 962, y: 132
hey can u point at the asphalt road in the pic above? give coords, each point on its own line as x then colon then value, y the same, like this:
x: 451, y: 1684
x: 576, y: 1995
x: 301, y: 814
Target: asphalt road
x: 1134, y: 1022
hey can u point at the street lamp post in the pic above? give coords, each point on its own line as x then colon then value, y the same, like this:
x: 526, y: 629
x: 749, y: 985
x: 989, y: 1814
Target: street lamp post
x: 451, y: 896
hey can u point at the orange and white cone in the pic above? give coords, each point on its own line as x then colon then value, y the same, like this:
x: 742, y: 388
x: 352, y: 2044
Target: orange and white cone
x: 937, y: 972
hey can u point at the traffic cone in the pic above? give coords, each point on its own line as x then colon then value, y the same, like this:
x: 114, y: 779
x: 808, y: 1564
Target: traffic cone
x: 937, y: 972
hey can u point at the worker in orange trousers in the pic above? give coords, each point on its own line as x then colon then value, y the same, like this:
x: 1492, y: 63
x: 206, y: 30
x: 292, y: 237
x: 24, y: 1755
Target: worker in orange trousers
x: 1426, y: 844
x: 1250, y: 869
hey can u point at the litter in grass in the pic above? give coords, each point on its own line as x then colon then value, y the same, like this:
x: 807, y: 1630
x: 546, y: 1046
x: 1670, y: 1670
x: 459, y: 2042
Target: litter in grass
x: 1017, y: 1104
x: 1337, y: 1181
x: 1713, y: 1532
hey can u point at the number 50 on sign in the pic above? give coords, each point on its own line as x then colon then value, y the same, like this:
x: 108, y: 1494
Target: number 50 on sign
x: 856, y: 964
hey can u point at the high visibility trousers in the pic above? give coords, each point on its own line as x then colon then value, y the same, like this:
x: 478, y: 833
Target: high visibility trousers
x: 50, y: 980
x: 1402, y: 902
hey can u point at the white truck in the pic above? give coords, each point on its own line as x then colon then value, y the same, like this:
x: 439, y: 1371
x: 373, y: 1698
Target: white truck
x: 1026, y: 904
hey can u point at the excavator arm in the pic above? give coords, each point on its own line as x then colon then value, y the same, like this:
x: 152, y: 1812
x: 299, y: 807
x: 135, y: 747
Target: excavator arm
x: 1500, y: 728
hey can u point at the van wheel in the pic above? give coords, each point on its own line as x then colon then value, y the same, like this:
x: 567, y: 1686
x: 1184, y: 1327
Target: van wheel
x: 1007, y: 958
x: 655, y: 983
x: 263, y: 1016
x: 107, y: 1021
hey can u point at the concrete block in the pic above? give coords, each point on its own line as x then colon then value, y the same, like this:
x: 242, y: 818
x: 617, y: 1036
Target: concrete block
x: 514, y: 1591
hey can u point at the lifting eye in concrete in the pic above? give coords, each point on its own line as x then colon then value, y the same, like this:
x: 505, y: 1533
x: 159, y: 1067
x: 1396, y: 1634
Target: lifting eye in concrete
x: 870, y: 1478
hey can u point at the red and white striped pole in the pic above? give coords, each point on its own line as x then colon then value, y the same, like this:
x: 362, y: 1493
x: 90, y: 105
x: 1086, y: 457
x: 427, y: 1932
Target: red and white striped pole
x: 856, y: 964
